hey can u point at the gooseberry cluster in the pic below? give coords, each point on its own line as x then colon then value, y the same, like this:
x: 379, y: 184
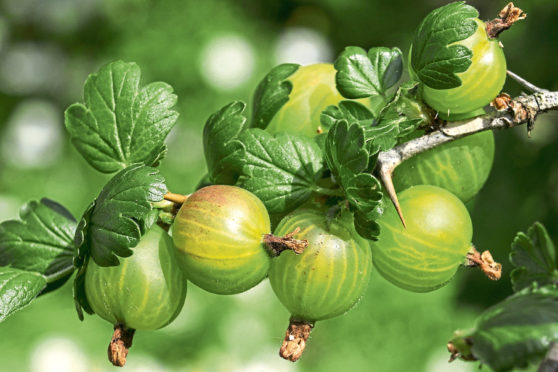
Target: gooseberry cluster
x: 303, y: 167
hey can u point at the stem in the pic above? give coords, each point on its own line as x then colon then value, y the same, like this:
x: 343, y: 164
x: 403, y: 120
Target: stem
x: 119, y: 344
x: 328, y: 192
x: 525, y: 84
x: 295, y: 340
x: 520, y: 110
x: 176, y: 198
x: 491, y: 268
x: 276, y: 245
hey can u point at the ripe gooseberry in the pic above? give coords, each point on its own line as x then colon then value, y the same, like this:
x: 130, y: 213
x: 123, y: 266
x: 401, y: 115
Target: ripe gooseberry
x: 313, y: 90
x: 325, y: 281
x: 145, y: 292
x: 461, y: 166
x: 425, y: 255
x: 221, y: 235
x: 480, y: 83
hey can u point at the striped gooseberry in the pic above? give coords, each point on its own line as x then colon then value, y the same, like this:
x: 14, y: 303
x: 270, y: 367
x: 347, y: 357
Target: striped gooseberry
x: 313, y: 91
x: 145, y: 291
x: 325, y: 281
x: 426, y: 254
x: 221, y: 235
x: 461, y: 166
x: 480, y: 83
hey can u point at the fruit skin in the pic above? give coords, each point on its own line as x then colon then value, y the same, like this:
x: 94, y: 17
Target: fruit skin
x: 461, y: 166
x: 480, y: 83
x: 145, y: 292
x: 313, y: 90
x: 425, y: 255
x: 330, y: 276
x: 218, y: 235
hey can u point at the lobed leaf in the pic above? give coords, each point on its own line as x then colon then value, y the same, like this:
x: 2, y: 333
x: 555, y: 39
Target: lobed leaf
x: 41, y: 241
x: 120, y: 216
x: 361, y: 74
x: 271, y: 94
x: 349, y: 111
x: 17, y: 289
x: 534, y: 257
x: 121, y: 123
x: 435, y: 59
x: 282, y: 170
x: 219, y: 145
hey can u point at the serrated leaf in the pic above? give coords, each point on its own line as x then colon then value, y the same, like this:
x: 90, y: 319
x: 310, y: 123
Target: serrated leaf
x: 366, y: 225
x: 345, y: 153
x: 361, y: 74
x: 17, y: 289
x: 121, y: 123
x: 40, y: 241
x: 349, y: 111
x: 281, y: 170
x: 518, y: 330
x: 271, y: 94
x: 364, y: 192
x: 435, y: 59
x: 120, y: 216
x: 534, y: 257
x: 219, y: 145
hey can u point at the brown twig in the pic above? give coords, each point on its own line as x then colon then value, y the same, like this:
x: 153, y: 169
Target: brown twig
x: 276, y: 244
x: 119, y: 344
x: 491, y: 268
x: 295, y: 340
x: 515, y: 112
x: 507, y: 17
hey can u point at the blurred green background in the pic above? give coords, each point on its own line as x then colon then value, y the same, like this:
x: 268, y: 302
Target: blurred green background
x: 212, y: 52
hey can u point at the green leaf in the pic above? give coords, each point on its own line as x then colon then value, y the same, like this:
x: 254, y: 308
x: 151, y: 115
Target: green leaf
x: 348, y: 160
x: 40, y: 241
x: 514, y: 332
x: 17, y: 289
x: 119, y: 123
x: 534, y: 257
x: 219, y: 145
x: 282, y: 170
x: 361, y: 75
x: 120, y: 216
x: 349, y: 111
x: 272, y: 93
x: 435, y: 57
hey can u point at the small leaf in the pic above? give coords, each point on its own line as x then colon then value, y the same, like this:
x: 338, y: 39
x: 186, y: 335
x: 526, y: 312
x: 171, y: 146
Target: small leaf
x: 516, y: 331
x: 366, y: 225
x: 119, y: 123
x: 282, y: 170
x: 272, y: 93
x: 361, y: 75
x: 435, y: 57
x: 17, y: 289
x: 219, y: 133
x: 349, y: 111
x: 364, y: 192
x: 534, y: 257
x: 41, y: 241
x: 120, y: 216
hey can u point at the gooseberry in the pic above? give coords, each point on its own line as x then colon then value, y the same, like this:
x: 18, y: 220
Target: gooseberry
x: 313, y: 90
x: 461, y: 166
x: 426, y: 254
x: 325, y: 281
x: 481, y: 82
x: 145, y: 292
x: 221, y: 235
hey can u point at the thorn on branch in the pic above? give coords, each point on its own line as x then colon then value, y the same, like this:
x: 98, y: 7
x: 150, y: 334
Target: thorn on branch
x: 507, y: 17
x: 491, y: 268
x: 525, y: 84
x: 386, y: 175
